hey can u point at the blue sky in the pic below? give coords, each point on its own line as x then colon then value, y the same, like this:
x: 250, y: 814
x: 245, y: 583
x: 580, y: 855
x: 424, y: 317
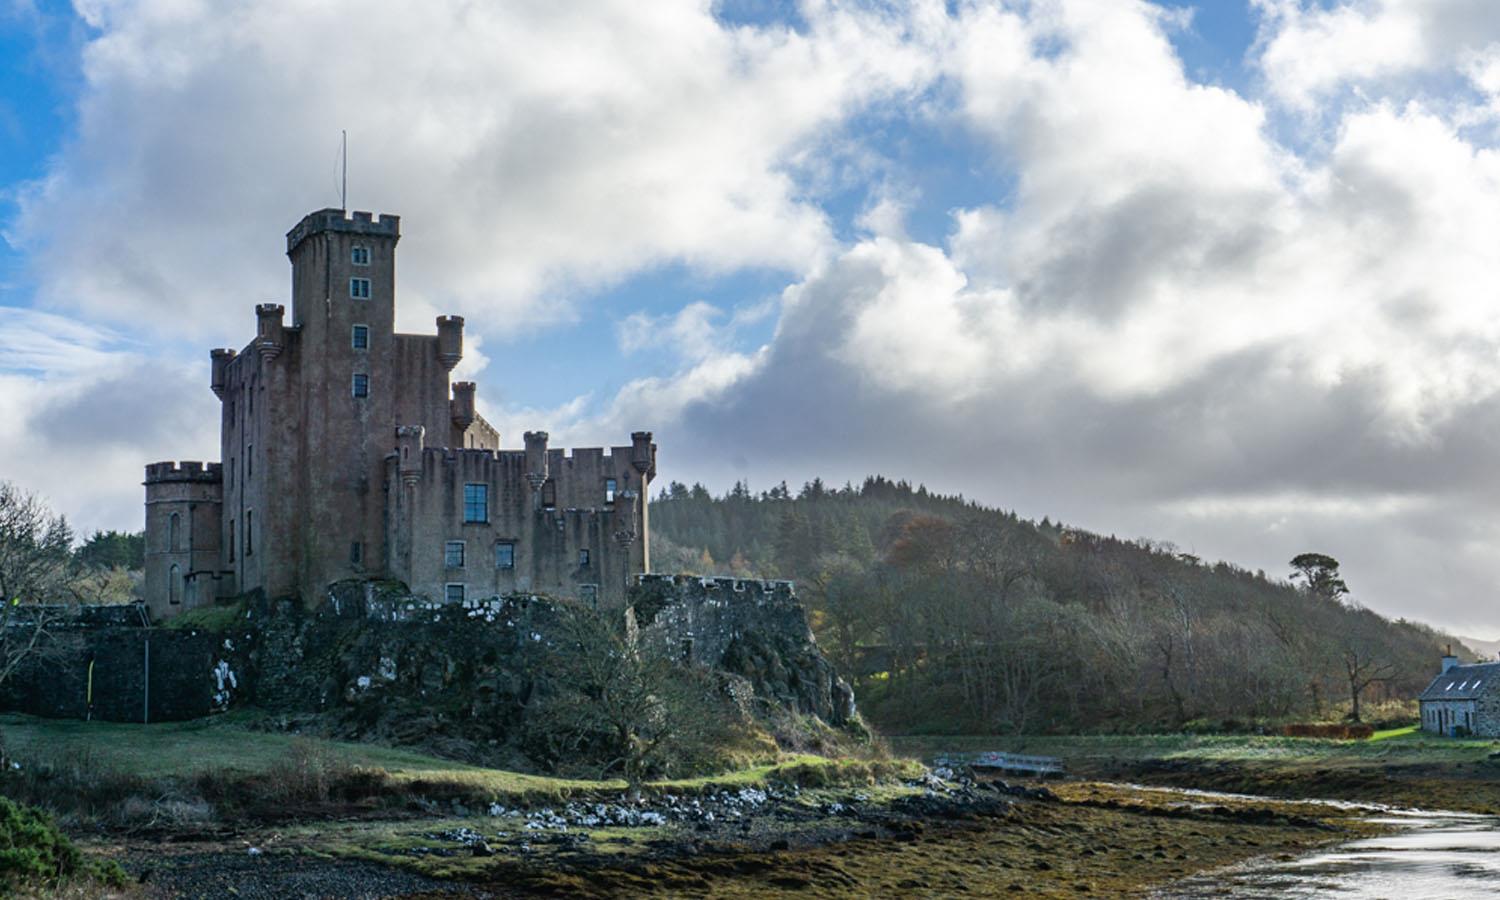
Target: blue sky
x: 1215, y: 273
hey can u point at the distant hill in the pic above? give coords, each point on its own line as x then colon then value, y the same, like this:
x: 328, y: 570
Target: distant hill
x: 1482, y: 649
x: 959, y: 617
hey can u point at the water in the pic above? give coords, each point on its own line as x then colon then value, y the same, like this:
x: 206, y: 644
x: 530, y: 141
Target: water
x: 1434, y: 855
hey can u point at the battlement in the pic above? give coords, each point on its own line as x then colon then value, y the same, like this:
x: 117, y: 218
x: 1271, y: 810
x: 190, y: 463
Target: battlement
x: 157, y: 473
x: 358, y: 222
x: 688, y: 586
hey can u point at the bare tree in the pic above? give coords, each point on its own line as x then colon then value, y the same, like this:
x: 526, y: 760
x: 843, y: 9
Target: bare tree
x: 631, y: 709
x: 1364, y: 663
x: 35, y: 567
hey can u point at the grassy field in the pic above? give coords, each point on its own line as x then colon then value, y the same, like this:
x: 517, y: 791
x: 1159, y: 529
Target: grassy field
x: 1398, y: 746
x: 226, y: 748
x: 1402, y: 766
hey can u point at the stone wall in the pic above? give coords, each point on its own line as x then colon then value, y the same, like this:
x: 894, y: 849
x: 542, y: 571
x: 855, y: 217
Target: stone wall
x: 139, y: 675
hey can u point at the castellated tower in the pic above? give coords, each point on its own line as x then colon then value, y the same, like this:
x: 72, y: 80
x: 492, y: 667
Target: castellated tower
x: 182, y: 535
x: 347, y: 453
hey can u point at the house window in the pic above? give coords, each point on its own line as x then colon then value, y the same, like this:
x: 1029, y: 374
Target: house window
x: 359, y: 288
x: 361, y: 337
x: 249, y: 532
x: 359, y: 256
x: 505, y: 555
x: 476, y: 503
x: 609, y: 490
x: 361, y: 385
x: 583, y: 559
x: 174, y: 588
x: 453, y: 593
x: 453, y: 554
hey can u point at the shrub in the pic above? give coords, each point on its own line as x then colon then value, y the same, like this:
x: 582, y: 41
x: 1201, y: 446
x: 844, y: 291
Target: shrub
x: 33, y: 851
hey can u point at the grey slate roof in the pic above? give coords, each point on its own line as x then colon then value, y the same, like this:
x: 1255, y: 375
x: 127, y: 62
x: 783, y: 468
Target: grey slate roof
x: 1464, y: 682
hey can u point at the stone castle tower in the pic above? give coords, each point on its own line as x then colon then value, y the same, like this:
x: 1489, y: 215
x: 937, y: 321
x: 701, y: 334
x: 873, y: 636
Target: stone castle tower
x: 346, y: 453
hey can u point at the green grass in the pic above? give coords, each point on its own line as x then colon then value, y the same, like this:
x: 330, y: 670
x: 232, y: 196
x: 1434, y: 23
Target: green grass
x: 225, y: 745
x: 191, y: 748
x: 1404, y: 745
x: 208, y: 618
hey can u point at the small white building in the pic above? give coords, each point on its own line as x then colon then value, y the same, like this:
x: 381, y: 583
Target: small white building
x: 1463, y: 700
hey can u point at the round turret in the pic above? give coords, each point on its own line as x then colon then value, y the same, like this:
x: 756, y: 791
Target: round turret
x: 450, y: 340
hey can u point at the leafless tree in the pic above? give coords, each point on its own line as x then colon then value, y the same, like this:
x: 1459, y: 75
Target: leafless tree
x: 631, y: 709
x: 35, y: 568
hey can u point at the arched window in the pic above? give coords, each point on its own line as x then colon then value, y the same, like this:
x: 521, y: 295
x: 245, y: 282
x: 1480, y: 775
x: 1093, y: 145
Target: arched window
x: 174, y: 586
x: 173, y: 529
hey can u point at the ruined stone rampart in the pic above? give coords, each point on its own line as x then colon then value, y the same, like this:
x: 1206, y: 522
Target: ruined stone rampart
x: 755, y: 629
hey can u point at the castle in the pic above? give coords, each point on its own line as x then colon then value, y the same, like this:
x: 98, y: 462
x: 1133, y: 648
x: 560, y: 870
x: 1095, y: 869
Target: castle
x: 346, y: 453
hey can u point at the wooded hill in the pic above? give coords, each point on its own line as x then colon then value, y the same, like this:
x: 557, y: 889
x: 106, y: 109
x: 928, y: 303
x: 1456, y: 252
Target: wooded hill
x: 952, y: 617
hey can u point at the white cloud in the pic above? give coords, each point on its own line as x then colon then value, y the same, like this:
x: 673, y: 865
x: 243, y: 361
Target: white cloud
x: 532, y: 150
x: 1311, y: 50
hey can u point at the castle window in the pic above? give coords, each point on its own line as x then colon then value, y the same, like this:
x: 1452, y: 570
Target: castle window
x: 356, y: 553
x: 359, y: 256
x: 249, y: 461
x: 361, y: 337
x: 359, y: 288
x: 453, y: 554
x: 174, y: 587
x: 583, y: 559
x: 609, y: 490
x: 231, y: 540
x: 589, y: 593
x: 505, y: 555
x: 453, y: 593
x: 361, y: 385
x: 249, y: 532
x: 476, y: 503
x: 173, y: 529
x: 549, y: 494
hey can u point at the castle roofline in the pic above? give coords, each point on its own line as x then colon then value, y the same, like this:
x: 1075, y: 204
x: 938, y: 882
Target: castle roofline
x: 156, y: 473
x: 330, y: 219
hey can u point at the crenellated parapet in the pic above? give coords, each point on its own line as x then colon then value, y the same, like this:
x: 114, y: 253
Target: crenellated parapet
x: 162, y: 472
x: 337, y: 220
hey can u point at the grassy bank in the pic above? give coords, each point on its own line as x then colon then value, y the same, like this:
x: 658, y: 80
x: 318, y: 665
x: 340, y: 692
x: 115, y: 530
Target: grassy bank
x: 1400, y: 766
x: 223, y: 771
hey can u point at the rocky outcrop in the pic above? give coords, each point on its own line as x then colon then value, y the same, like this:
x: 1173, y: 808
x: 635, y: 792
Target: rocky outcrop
x: 754, y: 629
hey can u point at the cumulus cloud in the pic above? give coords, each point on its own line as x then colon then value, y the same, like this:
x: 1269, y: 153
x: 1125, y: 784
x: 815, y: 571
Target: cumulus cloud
x: 534, y: 151
x: 1314, y: 50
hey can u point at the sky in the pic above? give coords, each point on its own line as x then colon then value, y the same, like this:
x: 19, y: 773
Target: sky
x: 1222, y: 274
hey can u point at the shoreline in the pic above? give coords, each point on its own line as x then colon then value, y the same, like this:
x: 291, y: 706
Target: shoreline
x: 1069, y: 839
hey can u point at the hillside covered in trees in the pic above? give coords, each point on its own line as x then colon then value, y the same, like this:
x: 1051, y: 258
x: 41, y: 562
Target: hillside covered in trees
x: 953, y: 617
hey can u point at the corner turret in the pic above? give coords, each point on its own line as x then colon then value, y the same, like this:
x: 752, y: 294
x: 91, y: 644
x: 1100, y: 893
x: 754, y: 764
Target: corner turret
x: 219, y: 377
x: 450, y: 340
x: 462, y: 404
x: 270, y: 330
x: 409, y: 441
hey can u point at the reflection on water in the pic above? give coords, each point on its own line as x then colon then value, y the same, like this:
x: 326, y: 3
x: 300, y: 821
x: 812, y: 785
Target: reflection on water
x: 1441, y: 855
